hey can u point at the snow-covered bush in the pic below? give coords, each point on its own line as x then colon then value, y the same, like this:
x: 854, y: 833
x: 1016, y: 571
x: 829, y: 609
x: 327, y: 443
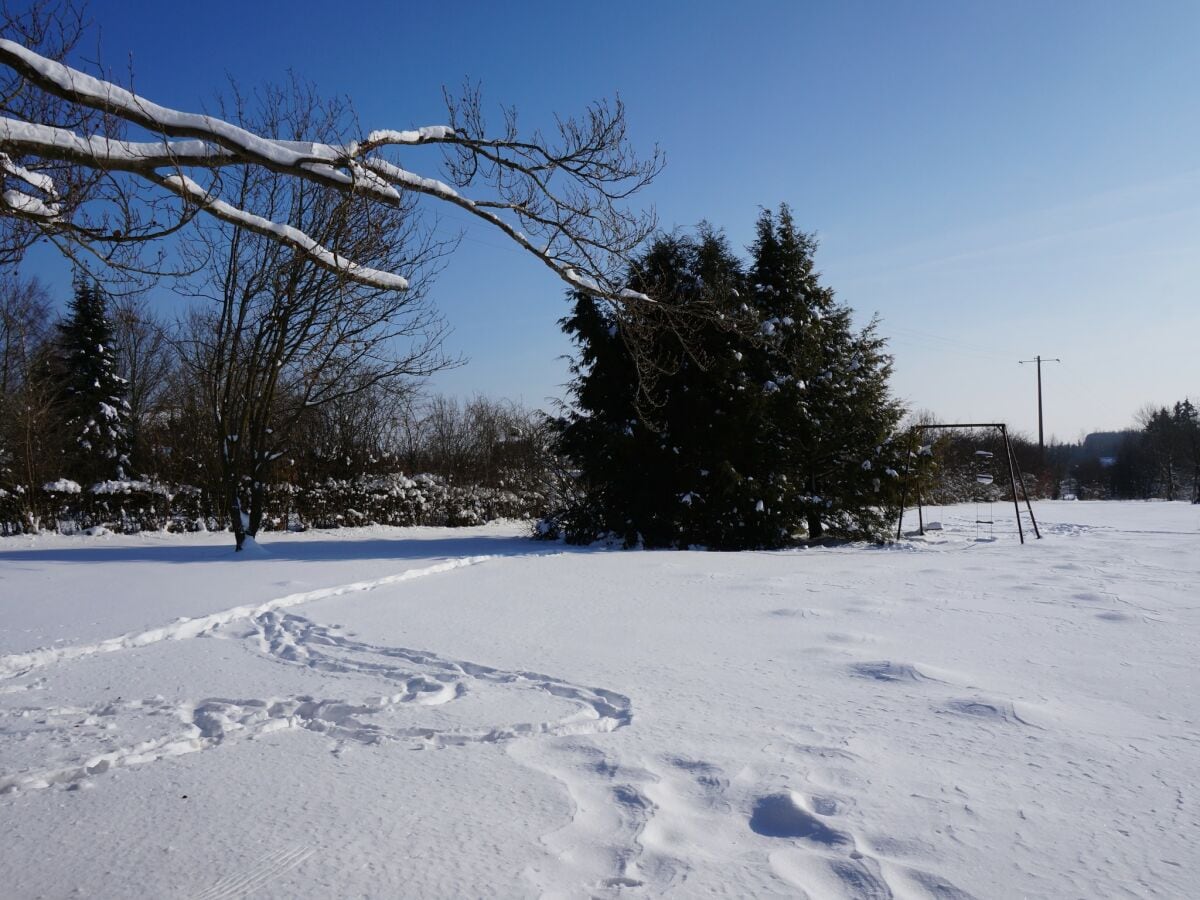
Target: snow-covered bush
x: 133, y: 506
x: 400, y: 500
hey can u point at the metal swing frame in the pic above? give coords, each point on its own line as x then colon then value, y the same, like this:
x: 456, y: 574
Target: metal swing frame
x: 1014, y: 476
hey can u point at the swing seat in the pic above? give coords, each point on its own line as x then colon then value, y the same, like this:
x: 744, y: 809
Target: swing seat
x: 983, y: 478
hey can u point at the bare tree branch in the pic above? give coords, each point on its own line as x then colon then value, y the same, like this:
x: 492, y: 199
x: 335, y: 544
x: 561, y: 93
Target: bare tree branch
x: 561, y: 200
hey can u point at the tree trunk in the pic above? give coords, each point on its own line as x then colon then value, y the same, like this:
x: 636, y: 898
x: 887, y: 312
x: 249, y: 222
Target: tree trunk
x: 233, y: 502
x: 235, y: 518
x: 257, y: 502
x: 815, y: 529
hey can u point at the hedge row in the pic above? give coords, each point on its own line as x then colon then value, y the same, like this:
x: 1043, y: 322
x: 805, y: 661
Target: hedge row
x: 132, y: 506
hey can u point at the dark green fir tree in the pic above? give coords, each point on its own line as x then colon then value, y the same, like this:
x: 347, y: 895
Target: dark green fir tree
x: 656, y: 427
x: 92, y: 404
x: 830, y: 415
x: 737, y: 410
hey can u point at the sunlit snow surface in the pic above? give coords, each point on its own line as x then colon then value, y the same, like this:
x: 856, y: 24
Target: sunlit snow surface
x: 441, y: 713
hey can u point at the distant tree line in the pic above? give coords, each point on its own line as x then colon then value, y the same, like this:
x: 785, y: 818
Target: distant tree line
x: 107, y: 418
x: 1158, y: 460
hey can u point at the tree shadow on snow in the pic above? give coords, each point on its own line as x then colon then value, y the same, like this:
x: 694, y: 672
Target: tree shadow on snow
x: 284, y: 549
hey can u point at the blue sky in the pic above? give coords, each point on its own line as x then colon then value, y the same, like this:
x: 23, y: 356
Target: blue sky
x: 995, y: 180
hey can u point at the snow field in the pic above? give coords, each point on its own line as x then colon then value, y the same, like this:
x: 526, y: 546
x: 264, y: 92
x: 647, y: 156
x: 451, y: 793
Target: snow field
x: 942, y: 718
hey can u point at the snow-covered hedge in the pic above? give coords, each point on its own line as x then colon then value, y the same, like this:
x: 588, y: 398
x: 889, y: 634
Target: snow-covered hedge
x: 132, y: 506
x: 399, y: 500
x: 65, y: 506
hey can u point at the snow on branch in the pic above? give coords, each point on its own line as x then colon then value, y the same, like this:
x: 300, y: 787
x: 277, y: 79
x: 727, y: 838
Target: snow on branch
x: 294, y: 237
x: 562, y: 200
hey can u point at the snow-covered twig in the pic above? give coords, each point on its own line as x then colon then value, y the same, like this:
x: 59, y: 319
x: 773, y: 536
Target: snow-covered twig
x: 568, y: 194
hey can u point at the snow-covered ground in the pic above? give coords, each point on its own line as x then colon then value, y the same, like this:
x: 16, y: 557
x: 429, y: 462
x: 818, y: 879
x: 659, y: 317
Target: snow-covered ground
x: 436, y: 713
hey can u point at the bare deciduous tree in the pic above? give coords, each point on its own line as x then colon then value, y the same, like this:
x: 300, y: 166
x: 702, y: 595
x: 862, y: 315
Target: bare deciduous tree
x: 144, y: 360
x: 30, y: 446
x: 25, y: 322
x: 485, y: 441
x: 282, y: 333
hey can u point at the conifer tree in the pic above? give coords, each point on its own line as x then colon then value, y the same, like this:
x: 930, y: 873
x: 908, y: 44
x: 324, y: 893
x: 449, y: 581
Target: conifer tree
x: 91, y: 394
x: 652, y: 427
x: 746, y: 412
x: 830, y: 416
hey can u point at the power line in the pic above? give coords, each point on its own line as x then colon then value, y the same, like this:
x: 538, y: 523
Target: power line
x: 951, y: 343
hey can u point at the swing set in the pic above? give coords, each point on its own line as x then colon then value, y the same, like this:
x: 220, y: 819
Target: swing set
x: 983, y: 477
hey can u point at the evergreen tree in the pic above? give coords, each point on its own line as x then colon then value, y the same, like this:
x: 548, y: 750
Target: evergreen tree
x: 736, y: 410
x: 1187, y: 425
x: 91, y: 395
x: 720, y: 419
x: 830, y: 417
x: 1172, y: 436
x: 654, y: 428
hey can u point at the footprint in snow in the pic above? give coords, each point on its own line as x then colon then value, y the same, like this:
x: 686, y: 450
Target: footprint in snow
x: 783, y: 815
x: 708, y: 781
x: 789, y: 612
x: 826, y: 806
x: 848, y: 637
x: 411, y: 681
x: 987, y: 710
x: 888, y: 670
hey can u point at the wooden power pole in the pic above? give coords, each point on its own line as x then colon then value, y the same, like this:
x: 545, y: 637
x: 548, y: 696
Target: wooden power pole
x: 1041, y: 429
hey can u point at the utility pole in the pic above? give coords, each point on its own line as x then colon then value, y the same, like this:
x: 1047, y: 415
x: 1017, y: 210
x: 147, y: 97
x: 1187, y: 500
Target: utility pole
x: 1041, y: 430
